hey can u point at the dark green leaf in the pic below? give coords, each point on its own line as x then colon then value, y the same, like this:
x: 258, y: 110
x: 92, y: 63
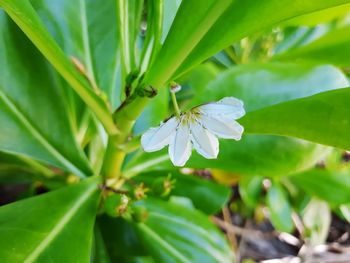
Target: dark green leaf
x: 53, y: 227
x: 33, y: 118
x: 331, y: 186
x: 175, y: 233
x: 323, y: 118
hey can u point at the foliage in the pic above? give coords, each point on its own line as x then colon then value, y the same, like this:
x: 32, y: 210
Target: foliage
x: 81, y: 80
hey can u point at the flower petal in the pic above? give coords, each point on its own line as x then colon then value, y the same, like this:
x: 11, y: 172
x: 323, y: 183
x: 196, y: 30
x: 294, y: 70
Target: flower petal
x: 157, y: 138
x: 180, y: 147
x: 205, y: 143
x: 222, y: 127
x: 228, y: 107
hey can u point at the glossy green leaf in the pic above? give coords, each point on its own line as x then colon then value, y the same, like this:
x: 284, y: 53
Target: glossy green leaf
x: 120, y: 239
x: 279, y: 207
x: 206, y: 195
x: 37, y: 229
x: 330, y: 48
x: 240, y: 20
x: 175, y: 233
x: 323, y: 118
x: 27, y: 19
x: 331, y: 186
x: 86, y: 30
x: 33, y: 118
x: 323, y: 16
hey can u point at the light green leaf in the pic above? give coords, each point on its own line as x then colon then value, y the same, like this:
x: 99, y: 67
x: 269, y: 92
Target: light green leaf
x: 38, y: 229
x: 175, y: 233
x: 330, y: 48
x: 331, y: 186
x: 279, y: 207
x: 250, y: 190
x: 323, y: 118
x: 240, y: 20
x: 33, y: 118
x: 27, y: 19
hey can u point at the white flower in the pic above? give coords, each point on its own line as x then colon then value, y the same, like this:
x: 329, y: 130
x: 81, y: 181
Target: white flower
x: 197, y: 128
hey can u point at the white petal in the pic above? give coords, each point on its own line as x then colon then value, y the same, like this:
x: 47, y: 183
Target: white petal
x: 222, y: 127
x: 157, y: 138
x: 180, y: 147
x: 205, y: 143
x: 228, y: 107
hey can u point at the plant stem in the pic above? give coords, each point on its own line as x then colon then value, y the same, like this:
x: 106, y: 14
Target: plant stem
x: 176, y: 106
x: 124, y: 118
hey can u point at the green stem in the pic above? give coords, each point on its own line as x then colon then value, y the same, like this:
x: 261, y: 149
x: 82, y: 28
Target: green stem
x: 124, y: 118
x: 176, y: 106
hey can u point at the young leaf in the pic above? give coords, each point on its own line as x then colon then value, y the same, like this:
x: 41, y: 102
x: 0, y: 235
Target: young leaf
x: 33, y: 118
x: 175, y: 233
x: 37, y: 229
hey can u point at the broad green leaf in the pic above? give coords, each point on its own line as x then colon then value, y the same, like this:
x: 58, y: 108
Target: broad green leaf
x: 27, y: 19
x: 240, y: 20
x: 174, y: 233
x: 345, y: 211
x: 279, y: 207
x: 323, y: 118
x: 261, y: 85
x: 331, y: 186
x: 323, y: 16
x: 330, y: 48
x: 120, y: 239
x: 33, y: 118
x: 193, y: 187
x: 86, y: 30
x: 53, y: 227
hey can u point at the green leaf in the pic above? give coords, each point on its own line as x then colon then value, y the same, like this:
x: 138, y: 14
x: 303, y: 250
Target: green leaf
x: 330, y: 48
x: 42, y: 225
x: 174, y: 233
x: 316, y: 18
x: 193, y: 187
x: 34, y: 120
x: 279, y: 207
x: 27, y: 19
x: 323, y: 118
x: 86, y: 30
x: 120, y: 239
x: 194, y: 38
x: 250, y: 190
x: 331, y: 186
x: 260, y: 85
